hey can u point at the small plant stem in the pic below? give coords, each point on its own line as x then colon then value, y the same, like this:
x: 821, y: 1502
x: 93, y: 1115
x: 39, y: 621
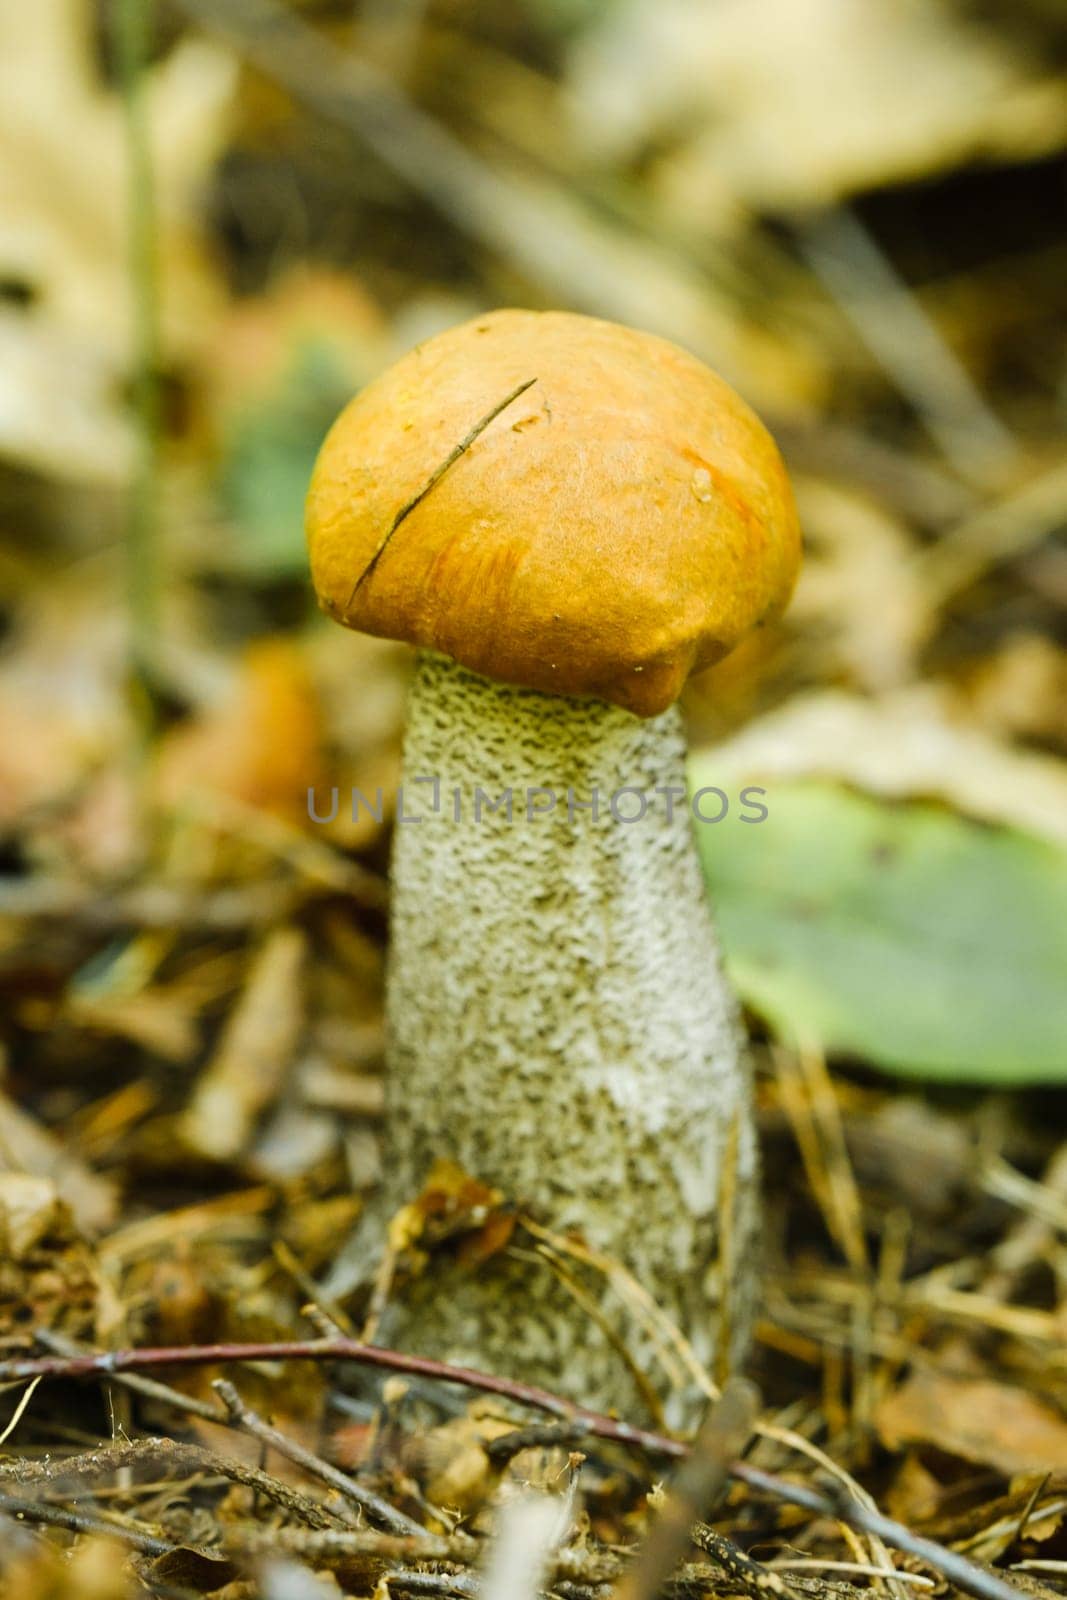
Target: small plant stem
x: 133, y: 31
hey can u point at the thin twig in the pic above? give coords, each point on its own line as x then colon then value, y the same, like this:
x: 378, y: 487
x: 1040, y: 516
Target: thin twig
x: 539, y: 1435
x: 697, y: 1486
x: 909, y: 346
x: 965, y: 1574
x: 998, y: 530
x: 107, y: 1364
x: 150, y: 1388
x: 461, y: 1583
x: 167, y: 1453
x: 846, y: 1484
x: 243, y: 1417
x: 756, y: 1580
x: 669, y: 1341
x: 431, y: 482
x: 318, y: 1546
x: 165, y: 1395
x: 81, y: 1522
x: 860, y: 1569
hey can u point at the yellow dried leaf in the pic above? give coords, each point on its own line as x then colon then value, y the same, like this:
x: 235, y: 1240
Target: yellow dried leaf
x: 994, y: 1424
x: 247, y: 1070
x: 903, y: 745
x: 63, y: 233
x: 823, y: 98
x: 261, y: 746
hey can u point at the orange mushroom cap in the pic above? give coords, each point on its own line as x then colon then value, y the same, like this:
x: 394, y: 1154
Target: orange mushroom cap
x: 620, y: 523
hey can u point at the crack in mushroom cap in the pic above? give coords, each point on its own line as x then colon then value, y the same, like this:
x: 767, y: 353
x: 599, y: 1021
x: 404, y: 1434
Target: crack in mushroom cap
x: 623, y: 522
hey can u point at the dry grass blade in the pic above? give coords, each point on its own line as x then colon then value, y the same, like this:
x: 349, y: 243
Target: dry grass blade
x: 697, y: 1485
x: 812, y: 1107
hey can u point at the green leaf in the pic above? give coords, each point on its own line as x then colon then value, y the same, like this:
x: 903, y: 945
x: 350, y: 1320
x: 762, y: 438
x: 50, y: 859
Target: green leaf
x: 903, y: 934
x: 268, y: 455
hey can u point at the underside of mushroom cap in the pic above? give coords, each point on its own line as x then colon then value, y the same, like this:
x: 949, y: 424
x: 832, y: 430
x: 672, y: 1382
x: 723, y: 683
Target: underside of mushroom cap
x: 622, y: 521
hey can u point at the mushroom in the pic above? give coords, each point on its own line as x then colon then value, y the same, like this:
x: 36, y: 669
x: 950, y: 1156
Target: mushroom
x: 566, y: 517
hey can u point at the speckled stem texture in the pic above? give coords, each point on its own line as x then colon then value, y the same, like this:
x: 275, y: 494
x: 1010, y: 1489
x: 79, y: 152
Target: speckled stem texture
x: 560, y: 1027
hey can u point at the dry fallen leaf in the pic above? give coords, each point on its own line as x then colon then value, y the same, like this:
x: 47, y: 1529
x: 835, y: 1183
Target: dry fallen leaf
x: 63, y: 230
x: 451, y: 1203
x: 94, y: 1568
x: 859, y: 599
x: 48, y: 1275
x: 904, y: 745
x: 26, y: 1146
x: 63, y: 718
x: 30, y: 1208
x: 450, y: 1462
x: 1021, y: 689
x: 822, y: 98
x: 993, y: 1424
x: 255, y: 1053
x: 261, y: 745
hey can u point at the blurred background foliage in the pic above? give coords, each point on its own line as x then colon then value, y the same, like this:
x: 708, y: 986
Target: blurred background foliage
x: 853, y: 209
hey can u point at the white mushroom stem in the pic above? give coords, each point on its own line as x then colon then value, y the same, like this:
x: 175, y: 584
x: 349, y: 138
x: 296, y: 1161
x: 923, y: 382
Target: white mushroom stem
x: 560, y: 1027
